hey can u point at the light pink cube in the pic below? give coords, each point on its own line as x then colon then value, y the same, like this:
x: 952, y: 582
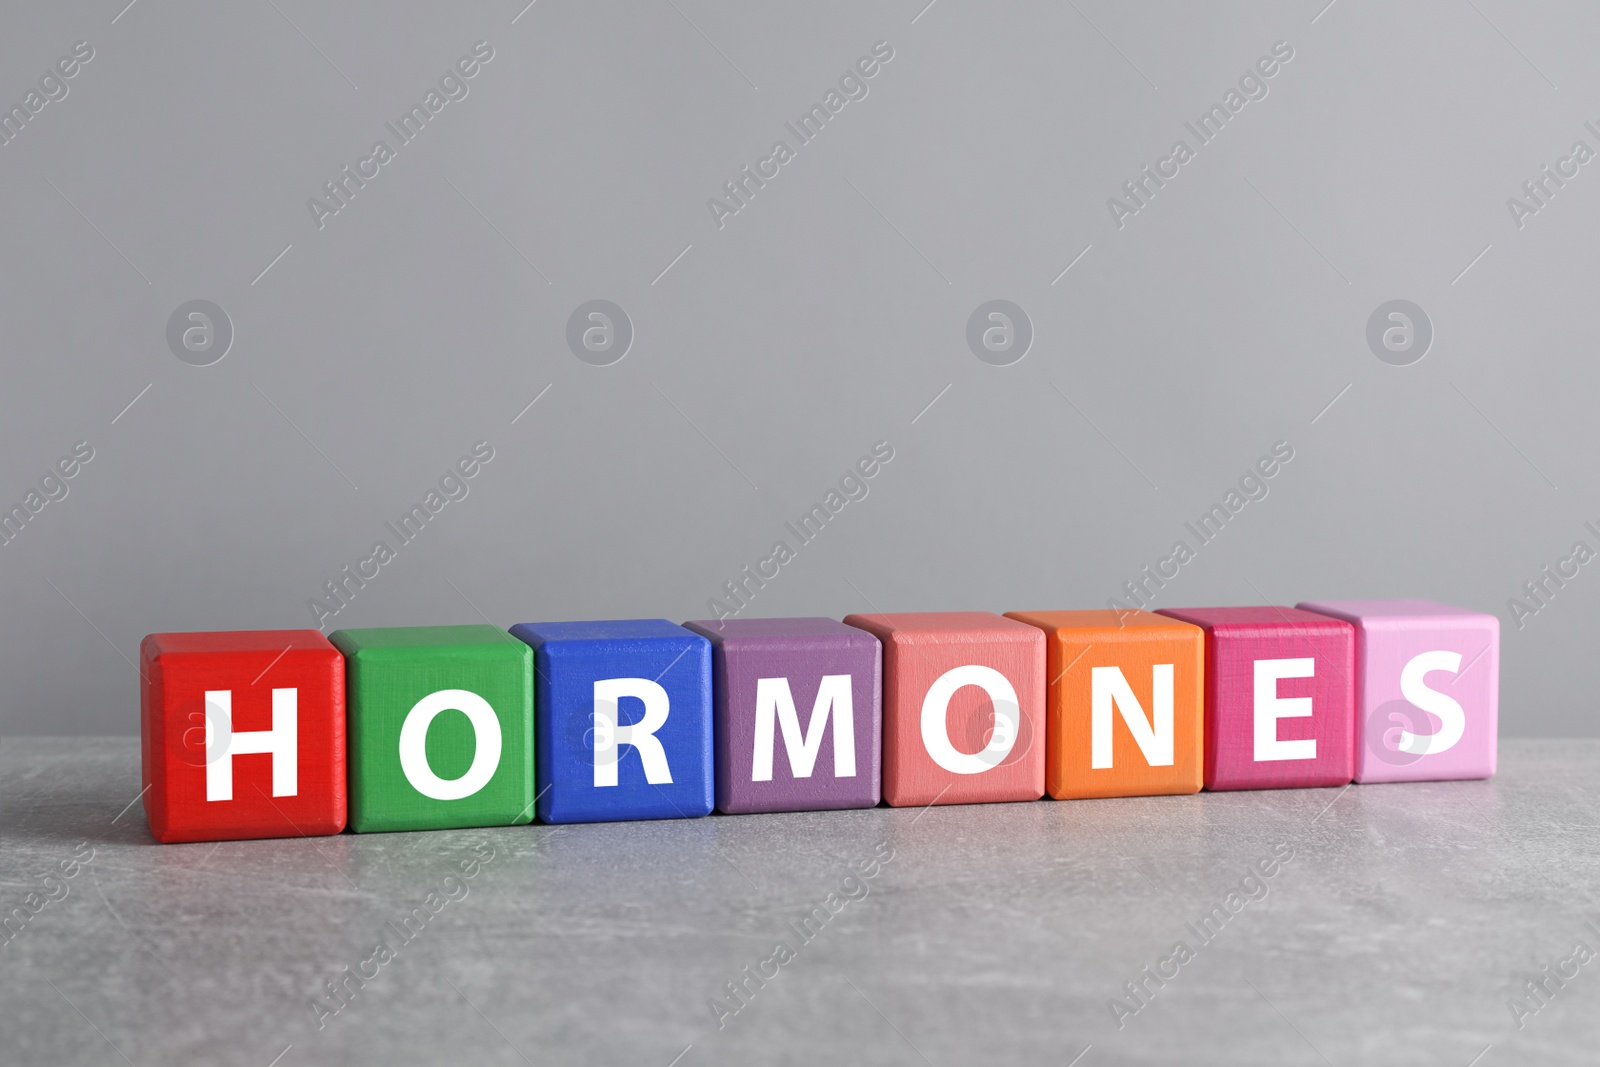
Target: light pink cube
x: 1427, y: 689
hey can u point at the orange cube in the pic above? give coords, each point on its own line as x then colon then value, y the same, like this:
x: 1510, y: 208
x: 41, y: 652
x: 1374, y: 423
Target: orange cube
x: 1124, y: 703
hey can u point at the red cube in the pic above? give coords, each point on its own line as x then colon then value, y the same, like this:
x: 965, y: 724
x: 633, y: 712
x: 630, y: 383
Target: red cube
x: 243, y: 735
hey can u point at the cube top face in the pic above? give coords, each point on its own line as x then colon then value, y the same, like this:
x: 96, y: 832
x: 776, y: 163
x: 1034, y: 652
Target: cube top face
x: 1371, y: 611
x: 441, y: 727
x: 1280, y: 697
x: 625, y: 720
x: 1254, y: 619
x: 820, y: 631
x: 1107, y: 625
x: 963, y: 707
x: 403, y: 640
x: 1427, y: 689
x: 243, y: 735
x: 798, y: 713
x: 938, y: 627
x: 269, y: 641
x: 1125, y: 706
x: 537, y: 633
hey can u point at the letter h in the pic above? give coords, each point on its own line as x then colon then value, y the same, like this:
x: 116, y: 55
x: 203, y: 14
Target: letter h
x: 223, y: 743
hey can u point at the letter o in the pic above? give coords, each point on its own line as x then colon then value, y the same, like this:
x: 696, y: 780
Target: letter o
x: 1007, y: 719
x: 414, y: 744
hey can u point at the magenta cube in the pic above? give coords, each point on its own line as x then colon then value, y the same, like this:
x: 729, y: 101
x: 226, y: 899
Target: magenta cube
x: 1427, y: 689
x: 798, y: 714
x: 1280, y: 697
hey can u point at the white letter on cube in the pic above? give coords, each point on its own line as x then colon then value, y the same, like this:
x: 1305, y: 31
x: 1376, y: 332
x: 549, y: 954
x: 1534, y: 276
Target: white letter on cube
x: 223, y: 743
x: 608, y: 736
x: 775, y: 701
x: 1270, y: 707
x: 1109, y: 688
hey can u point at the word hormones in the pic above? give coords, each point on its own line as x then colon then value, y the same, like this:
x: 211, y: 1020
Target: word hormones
x: 287, y: 733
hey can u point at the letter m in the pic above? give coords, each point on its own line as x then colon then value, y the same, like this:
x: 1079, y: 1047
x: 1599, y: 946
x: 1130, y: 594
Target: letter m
x: 774, y: 701
x: 1109, y: 689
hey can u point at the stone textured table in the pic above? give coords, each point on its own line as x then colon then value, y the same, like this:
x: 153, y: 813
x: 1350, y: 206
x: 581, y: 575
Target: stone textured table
x: 1401, y: 929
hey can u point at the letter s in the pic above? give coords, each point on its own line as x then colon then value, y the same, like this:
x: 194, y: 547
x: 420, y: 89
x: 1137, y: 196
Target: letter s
x: 1413, y: 686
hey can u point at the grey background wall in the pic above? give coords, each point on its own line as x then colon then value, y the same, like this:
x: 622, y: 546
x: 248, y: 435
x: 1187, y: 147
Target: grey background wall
x: 771, y: 349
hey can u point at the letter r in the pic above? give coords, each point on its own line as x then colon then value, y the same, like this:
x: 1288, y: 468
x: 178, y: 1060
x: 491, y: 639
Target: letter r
x: 609, y: 737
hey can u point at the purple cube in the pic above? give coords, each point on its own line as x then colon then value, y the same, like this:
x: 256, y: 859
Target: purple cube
x: 798, y: 714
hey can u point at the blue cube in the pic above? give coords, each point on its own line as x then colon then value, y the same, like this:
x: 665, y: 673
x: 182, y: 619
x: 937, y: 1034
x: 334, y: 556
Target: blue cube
x: 623, y: 729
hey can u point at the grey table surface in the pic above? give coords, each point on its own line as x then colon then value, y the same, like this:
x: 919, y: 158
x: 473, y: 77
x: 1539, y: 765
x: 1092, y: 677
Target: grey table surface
x: 1403, y: 930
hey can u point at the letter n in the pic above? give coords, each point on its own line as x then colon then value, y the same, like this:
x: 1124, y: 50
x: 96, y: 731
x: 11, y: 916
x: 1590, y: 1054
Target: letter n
x: 1109, y: 689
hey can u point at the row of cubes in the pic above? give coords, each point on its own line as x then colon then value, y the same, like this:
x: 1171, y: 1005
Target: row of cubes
x: 285, y: 733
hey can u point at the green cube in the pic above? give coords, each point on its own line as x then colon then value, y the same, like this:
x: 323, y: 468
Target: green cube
x: 440, y: 726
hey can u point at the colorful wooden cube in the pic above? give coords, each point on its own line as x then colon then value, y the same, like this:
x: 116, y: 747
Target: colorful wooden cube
x: 963, y: 707
x: 242, y: 735
x: 772, y: 753
x: 1413, y: 724
x: 441, y: 727
x: 1280, y: 697
x: 1125, y: 704
x: 625, y: 720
